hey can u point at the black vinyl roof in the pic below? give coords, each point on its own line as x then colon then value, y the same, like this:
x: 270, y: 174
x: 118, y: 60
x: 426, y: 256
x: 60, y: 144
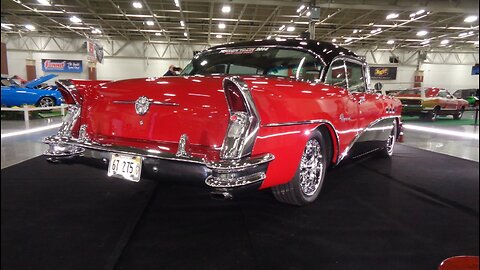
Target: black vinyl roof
x: 326, y: 50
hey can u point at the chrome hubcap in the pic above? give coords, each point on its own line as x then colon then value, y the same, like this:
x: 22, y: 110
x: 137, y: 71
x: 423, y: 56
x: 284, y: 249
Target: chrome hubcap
x: 311, y: 168
x: 46, y: 102
x: 391, y: 139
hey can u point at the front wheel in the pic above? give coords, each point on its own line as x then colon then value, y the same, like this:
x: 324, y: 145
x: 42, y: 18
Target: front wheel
x: 308, y: 179
x: 46, y: 102
x: 458, y: 115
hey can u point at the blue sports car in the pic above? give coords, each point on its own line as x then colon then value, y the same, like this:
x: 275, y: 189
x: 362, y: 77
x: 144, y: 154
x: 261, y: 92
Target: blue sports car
x: 30, y: 93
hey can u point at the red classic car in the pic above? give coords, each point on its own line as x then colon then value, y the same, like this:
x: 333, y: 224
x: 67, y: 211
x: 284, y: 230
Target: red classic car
x: 266, y: 114
x: 430, y: 103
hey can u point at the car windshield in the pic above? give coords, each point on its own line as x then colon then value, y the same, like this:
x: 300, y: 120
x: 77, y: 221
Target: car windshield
x: 257, y: 61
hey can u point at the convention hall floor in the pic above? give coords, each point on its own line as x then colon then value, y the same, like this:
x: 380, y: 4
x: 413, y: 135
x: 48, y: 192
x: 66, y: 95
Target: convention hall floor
x: 447, y: 136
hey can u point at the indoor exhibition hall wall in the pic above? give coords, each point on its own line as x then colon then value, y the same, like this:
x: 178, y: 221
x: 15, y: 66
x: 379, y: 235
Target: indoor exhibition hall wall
x: 450, y: 77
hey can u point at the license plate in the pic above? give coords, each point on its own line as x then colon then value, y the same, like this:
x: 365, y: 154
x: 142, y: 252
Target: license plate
x: 125, y: 166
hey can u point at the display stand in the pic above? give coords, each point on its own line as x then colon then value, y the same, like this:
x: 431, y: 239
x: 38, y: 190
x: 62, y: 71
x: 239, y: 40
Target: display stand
x: 25, y: 109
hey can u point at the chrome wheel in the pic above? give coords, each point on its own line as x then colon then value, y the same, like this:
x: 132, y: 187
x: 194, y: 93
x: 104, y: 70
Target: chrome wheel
x: 391, y: 139
x: 46, y: 102
x: 311, y: 168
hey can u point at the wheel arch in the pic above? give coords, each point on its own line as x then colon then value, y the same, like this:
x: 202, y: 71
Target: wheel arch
x: 331, y: 137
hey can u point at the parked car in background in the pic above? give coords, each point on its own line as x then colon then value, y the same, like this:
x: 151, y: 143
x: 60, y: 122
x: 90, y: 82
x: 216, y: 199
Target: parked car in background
x: 264, y: 114
x: 431, y: 102
x: 470, y: 95
x: 34, y: 92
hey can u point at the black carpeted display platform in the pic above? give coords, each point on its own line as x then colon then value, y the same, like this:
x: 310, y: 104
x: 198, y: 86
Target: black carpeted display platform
x: 410, y: 212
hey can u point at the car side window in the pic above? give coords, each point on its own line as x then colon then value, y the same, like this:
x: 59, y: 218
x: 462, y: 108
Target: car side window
x: 442, y: 93
x: 355, y: 77
x: 336, y: 74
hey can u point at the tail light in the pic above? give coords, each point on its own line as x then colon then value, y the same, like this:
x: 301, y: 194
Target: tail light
x: 243, y: 122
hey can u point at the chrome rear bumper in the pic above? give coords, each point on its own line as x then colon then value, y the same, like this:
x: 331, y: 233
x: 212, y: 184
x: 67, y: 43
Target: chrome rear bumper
x: 215, y: 174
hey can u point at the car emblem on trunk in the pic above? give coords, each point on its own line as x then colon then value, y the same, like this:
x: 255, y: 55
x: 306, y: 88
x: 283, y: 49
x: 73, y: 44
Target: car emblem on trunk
x: 142, y: 104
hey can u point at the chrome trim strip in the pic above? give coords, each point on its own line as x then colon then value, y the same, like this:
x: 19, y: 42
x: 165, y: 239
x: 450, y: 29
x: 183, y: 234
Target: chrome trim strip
x: 150, y: 100
x: 360, y: 133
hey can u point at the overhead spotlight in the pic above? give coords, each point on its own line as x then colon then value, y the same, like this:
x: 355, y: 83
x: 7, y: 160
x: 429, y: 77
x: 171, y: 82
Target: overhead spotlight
x: 470, y: 19
x: 392, y: 16
x: 221, y: 26
x: 470, y: 33
x: 226, y: 9
x: 218, y: 36
x: 422, y: 33
x: 137, y: 5
x: 177, y: 3
x: 370, y: 24
x: 158, y: 34
x: 391, y: 41
x: 75, y: 19
x: 464, y: 34
x: 444, y: 42
x: 6, y: 26
x: 421, y: 11
x: 300, y: 8
x: 281, y: 27
x: 44, y: 2
x: 96, y: 31
x: 425, y: 42
x: 355, y: 31
x: 334, y: 40
x: 149, y: 23
x: 375, y: 30
x: 185, y: 34
x: 348, y: 40
x: 309, y: 13
x: 290, y: 28
x: 30, y: 27
x: 412, y: 15
x: 269, y: 37
x: 182, y: 23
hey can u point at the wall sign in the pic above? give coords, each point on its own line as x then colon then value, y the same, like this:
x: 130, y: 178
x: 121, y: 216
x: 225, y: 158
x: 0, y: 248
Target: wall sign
x: 58, y: 65
x: 383, y: 73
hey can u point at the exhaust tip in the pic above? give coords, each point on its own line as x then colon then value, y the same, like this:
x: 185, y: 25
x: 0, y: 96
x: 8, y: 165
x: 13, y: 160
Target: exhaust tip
x: 221, y: 195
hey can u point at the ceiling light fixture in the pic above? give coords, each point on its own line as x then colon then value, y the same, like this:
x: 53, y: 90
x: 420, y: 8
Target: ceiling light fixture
x: 177, y: 3
x: 137, y: 5
x: 182, y: 23
x: 218, y: 36
x: 281, y: 27
x: 392, y: 16
x: 309, y: 13
x: 6, y: 26
x: 334, y: 40
x: 269, y: 37
x: 221, y: 26
x: 158, y: 34
x: 348, y: 39
x: 355, y: 31
x: 149, y: 23
x: 226, y: 9
x: 96, y: 31
x: 185, y: 34
x: 421, y: 11
x: 444, y: 42
x: 422, y: 33
x: 290, y: 28
x: 412, y: 15
x: 425, y: 42
x: 470, y: 19
x: 44, y: 2
x: 391, y: 41
x: 75, y: 19
x: 300, y: 8
x: 30, y: 27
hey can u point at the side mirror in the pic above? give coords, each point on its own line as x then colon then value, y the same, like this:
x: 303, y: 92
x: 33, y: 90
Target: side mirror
x: 378, y: 86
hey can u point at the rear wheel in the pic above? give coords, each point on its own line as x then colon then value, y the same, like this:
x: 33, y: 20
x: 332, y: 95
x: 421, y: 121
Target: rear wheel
x: 308, y: 179
x: 46, y: 102
x: 458, y: 115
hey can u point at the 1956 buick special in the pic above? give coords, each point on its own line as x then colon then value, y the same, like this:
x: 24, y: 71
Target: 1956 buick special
x: 266, y: 114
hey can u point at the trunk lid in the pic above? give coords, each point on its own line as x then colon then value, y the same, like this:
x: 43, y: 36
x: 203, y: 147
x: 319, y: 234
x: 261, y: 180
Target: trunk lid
x: 195, y: 106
